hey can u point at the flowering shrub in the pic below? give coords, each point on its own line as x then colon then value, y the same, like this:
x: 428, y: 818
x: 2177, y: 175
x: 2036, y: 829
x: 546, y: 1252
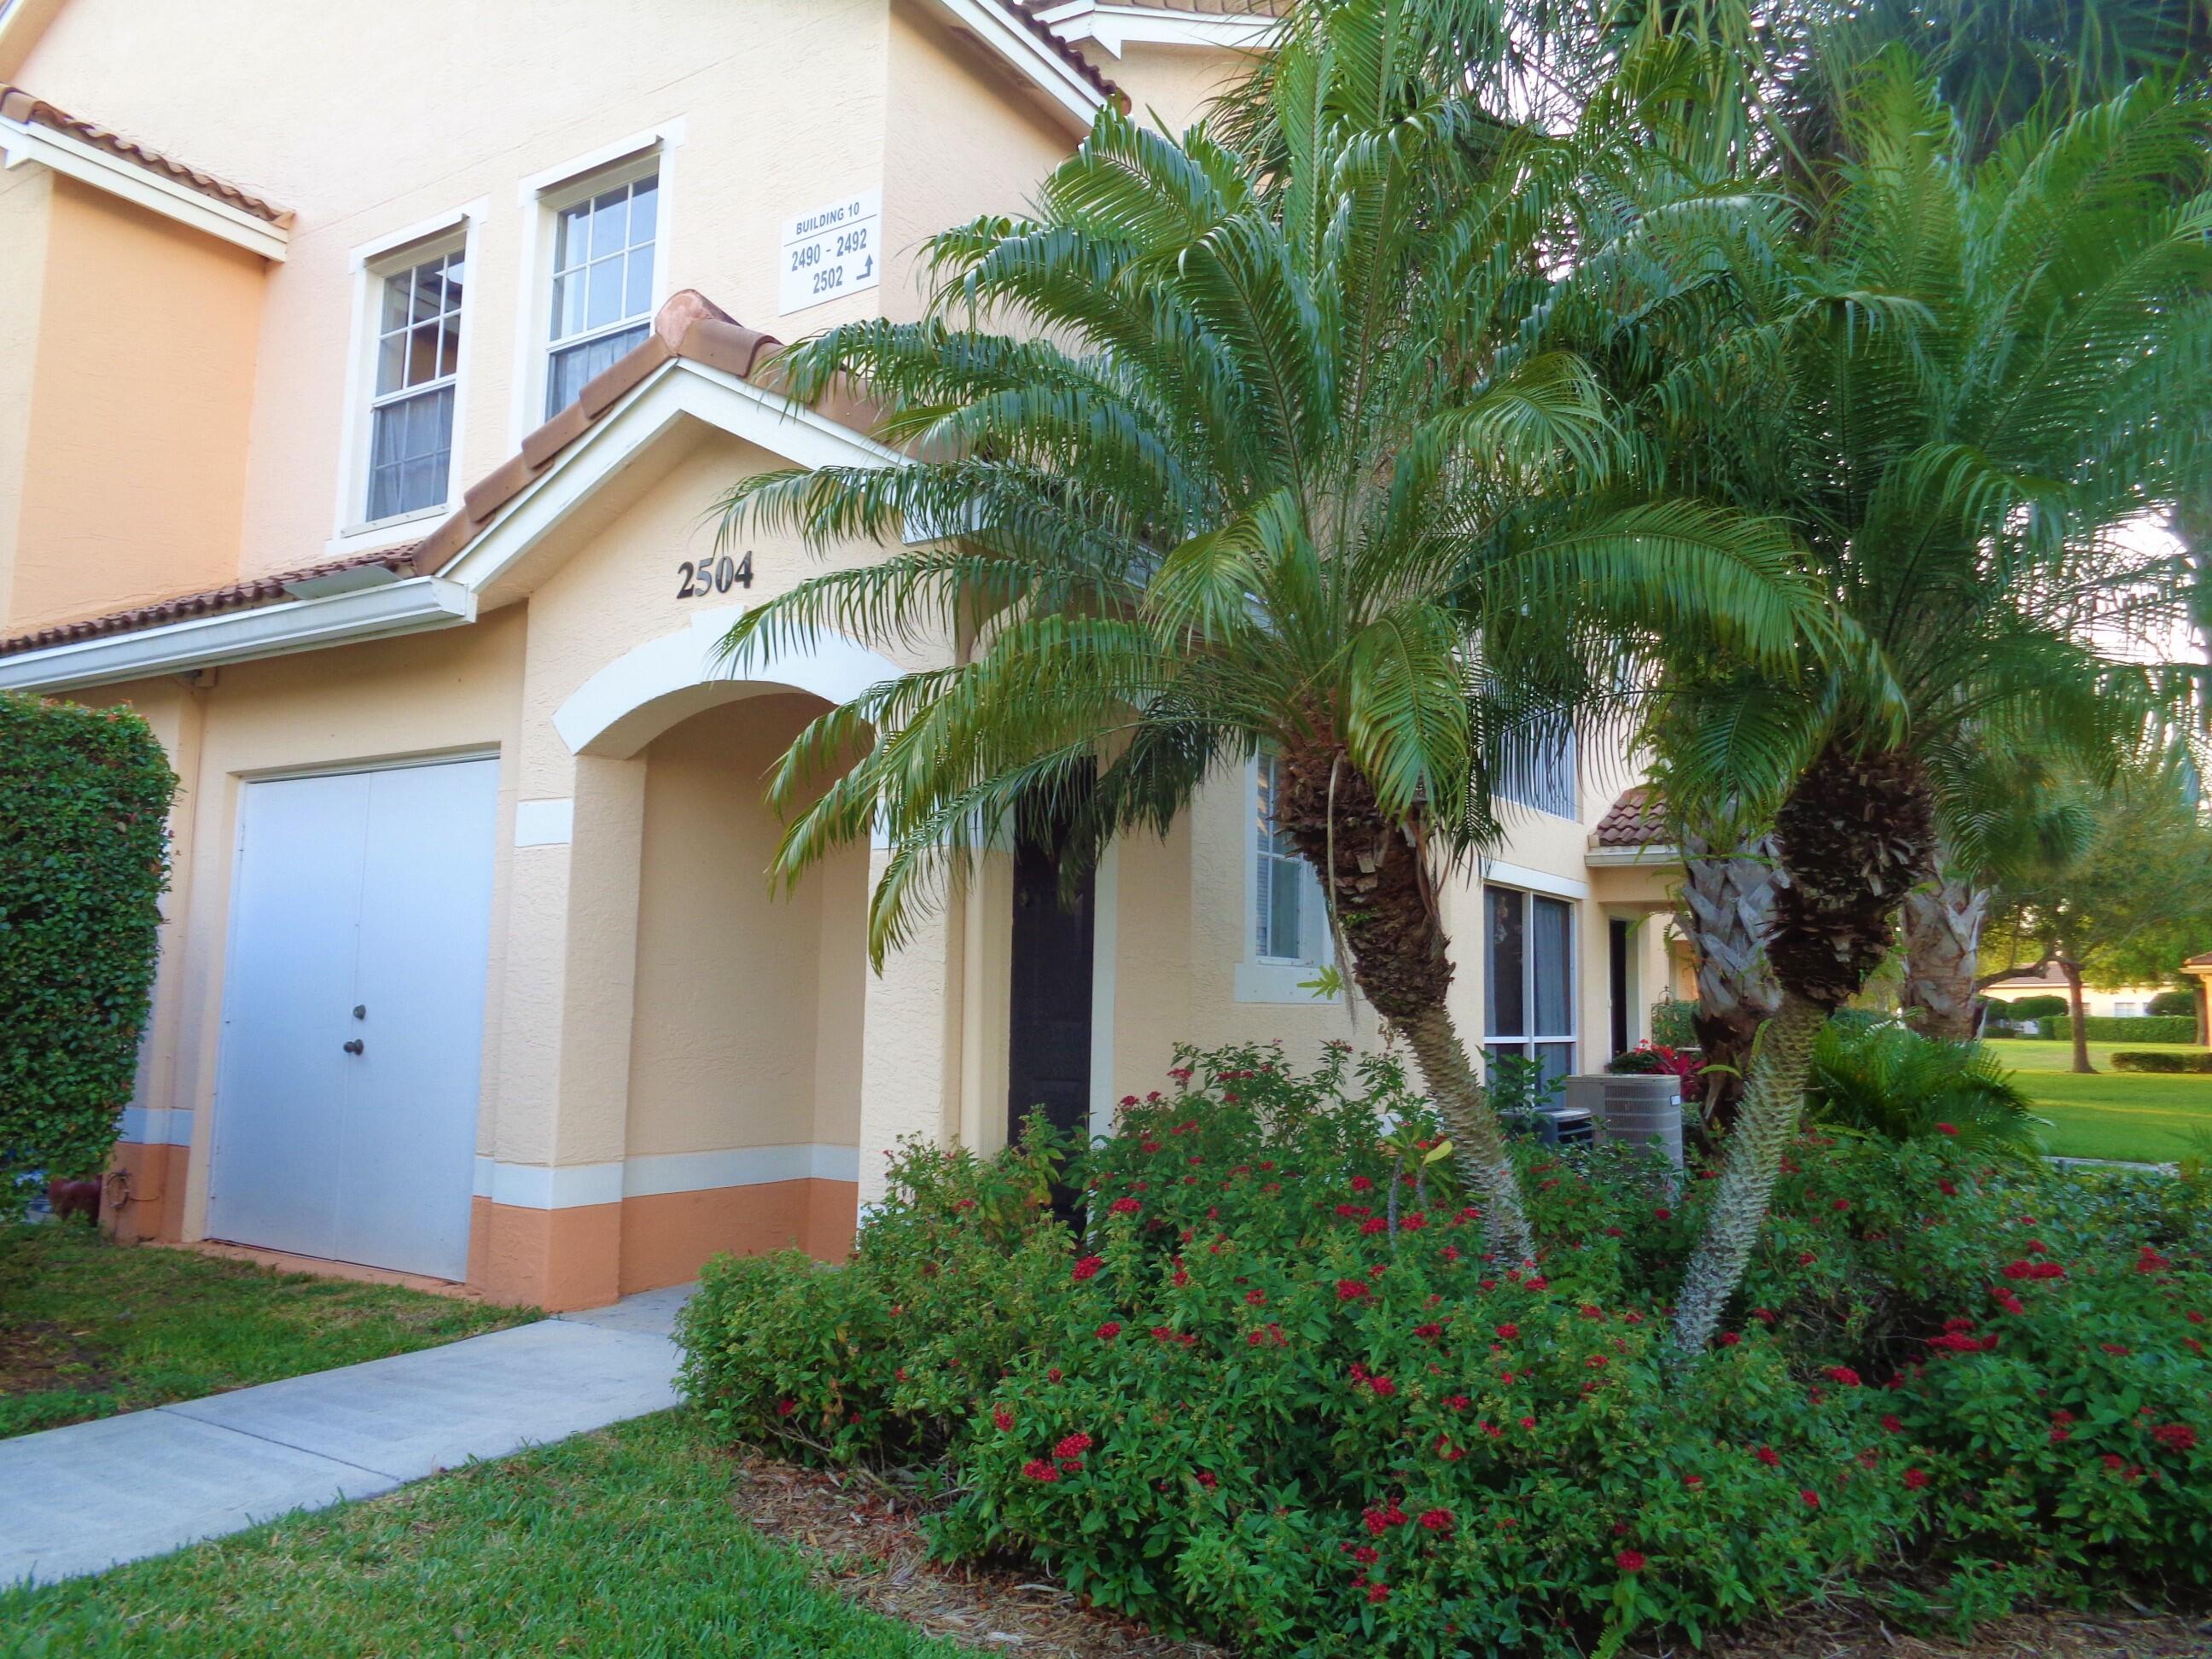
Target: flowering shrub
x: 1281, y: 1390
x: 1657, y: 1059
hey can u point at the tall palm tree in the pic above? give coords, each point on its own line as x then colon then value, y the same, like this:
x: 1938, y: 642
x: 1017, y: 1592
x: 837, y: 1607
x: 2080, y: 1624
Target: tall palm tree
x: 1964, y: 383
x: 1263, y: 460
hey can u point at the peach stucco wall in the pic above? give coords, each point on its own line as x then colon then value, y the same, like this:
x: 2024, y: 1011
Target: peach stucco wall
x: 133, y: 427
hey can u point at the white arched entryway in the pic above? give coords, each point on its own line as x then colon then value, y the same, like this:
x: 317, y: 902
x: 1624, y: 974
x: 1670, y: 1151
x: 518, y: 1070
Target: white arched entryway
x: 651, y: 687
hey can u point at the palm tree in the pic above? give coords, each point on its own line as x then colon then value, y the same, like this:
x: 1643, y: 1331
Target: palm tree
x: 1266, y: 463
x: 1962, y: 382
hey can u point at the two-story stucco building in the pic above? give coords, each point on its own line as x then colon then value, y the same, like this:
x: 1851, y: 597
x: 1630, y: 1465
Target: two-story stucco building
x: 369, y: 371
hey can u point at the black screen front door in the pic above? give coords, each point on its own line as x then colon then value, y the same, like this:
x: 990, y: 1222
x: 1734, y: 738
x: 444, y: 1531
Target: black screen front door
x: 1048, y: 1063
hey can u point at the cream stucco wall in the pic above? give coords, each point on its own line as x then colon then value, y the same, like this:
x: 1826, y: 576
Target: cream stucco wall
x: 25, y: 210
x: 747, y: 1031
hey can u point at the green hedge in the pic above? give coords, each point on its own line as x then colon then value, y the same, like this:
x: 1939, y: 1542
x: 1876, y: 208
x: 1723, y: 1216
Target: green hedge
x: 2028, y: 1008
x: 83, y: 861
x: 2115, y: 1028
x: 2128, y: 1059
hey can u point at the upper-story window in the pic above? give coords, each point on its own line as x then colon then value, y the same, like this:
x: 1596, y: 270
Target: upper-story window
x: 1290, y: 921
x: 1539, y: 770
x: 418, y: 357
x: 603, y: 251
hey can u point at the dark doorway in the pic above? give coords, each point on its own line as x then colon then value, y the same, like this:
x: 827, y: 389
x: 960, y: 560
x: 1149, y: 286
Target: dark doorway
x: 1049, y: 1058
x: 1617, y: 968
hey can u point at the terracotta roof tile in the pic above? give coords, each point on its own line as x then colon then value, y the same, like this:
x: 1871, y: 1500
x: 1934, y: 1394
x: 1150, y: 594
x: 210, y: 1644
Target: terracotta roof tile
x: 17, y: 105
x: 235, y: 596
x: 2202, y: 961
x: 1215, y: 8
x: 687, y: 326
x: 1637, y: 819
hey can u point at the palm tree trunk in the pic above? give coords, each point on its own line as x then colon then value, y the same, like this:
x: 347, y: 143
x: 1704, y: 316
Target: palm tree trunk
x: 1385, y: 906
x: 1943, y: 948
x: 1857, y: 833
x: 1729, y: 884
x: 2077, y: 1011
x: 1773, y: 1091
x: 1478, y: 1138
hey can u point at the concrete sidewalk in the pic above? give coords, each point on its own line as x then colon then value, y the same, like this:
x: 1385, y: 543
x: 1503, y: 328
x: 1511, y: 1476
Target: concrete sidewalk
x: 86, y: 1498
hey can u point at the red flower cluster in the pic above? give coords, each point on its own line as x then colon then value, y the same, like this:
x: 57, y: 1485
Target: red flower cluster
x: 1073, y: 1445
x: 1350, y: 1289
x: 1629, y: 1560
x: 1436, y: 1520
x: 1003, y: 1417
x: 2033, y: 1270
x: 1089, y: 1267
x: 1379, y: 1518
x: 1915, y: 1479
x: 1124, y: 1206
x: 1842, y: 1375
x: 1110, y: 1330
x: 1039, y: 1468
x: 2177, y: 1436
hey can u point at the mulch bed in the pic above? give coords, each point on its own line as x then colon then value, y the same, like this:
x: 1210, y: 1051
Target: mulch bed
x: 863, y: 1538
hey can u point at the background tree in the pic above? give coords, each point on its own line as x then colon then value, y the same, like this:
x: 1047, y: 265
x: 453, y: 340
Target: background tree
x: 1960, y: 382
x: 1269, y: 464
x: 2128, y: 908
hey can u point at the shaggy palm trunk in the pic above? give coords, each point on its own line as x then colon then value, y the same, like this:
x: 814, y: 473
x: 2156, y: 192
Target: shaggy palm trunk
x: 2077, y: 1011
x: 1386, y: 914
x: 1729, y: 884
x: 1943, y: 950
x: 1856, y: 835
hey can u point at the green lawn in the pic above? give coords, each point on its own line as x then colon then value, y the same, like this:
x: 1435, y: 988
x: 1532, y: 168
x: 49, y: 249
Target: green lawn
x: 623, y: 1542
x: 2145, y: 1116
x: 89, y: 1328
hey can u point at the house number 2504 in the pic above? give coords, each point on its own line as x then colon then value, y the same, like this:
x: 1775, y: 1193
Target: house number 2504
x: 696, y: 580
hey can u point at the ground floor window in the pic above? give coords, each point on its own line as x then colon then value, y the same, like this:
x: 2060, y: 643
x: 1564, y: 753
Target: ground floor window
x: 1290, y: 921
x: 1530, y: 962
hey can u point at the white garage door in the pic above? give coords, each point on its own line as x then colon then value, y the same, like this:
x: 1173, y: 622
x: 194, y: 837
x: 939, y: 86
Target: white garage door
x: 345, y: 1111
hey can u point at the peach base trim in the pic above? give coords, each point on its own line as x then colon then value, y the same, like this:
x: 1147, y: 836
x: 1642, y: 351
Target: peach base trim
x: 588, y: 1254
x: 145, y: 1192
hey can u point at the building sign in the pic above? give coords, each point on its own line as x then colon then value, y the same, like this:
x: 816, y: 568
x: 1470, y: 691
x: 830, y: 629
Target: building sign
x: 831, y: 251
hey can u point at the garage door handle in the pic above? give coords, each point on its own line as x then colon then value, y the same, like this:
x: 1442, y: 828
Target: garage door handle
x: 355, y: 1046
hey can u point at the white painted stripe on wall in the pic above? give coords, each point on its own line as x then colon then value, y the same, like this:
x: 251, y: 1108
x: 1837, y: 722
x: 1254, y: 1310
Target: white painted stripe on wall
x: 535, y: 1187
x: 743, y: 1166
x: 157, y: 1125
x: 544, y: 823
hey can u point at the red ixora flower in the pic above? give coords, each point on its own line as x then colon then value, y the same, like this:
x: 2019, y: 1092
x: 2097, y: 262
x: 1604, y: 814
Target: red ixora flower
x: 1507, y: 1332
x: 1110, y: 1330
x: 1730, y: 1339
x: 1089, y: 1267
x: 784, y: 1408
x: 1629, y: 1560
x: 1362, y: 1184
x: 1811, y: 1498
x: 1915, y: 1479
x: 1946, y: 1128
x: 1003, y: 1417
x: 1039, y: 1468
x: 1436, y: 1520
x: 1842, y: 1375
x: 2119, y: 1349
x: 1073, y: 1445
x: 2177, y: 1435
x: 1124, y: 1206
x: 1768, y: 1456
x: 1350, y: 1289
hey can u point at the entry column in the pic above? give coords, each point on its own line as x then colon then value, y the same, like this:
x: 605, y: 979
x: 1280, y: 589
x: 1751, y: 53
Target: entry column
x: 909, y: 1065
x: 548, y: 1201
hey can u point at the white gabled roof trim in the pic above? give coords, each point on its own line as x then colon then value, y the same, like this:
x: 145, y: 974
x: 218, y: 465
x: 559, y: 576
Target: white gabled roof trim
x: 679, y: 389
x: 24, y: 141
x: 1057, y: 81
x: 1114, y: 27
x: 411, y: 606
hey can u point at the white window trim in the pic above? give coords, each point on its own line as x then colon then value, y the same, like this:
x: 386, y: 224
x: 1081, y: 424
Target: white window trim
x: 541, y: 196
x: 371, y: 262
x: 1260, y: 979
x: 1530, y: 1039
